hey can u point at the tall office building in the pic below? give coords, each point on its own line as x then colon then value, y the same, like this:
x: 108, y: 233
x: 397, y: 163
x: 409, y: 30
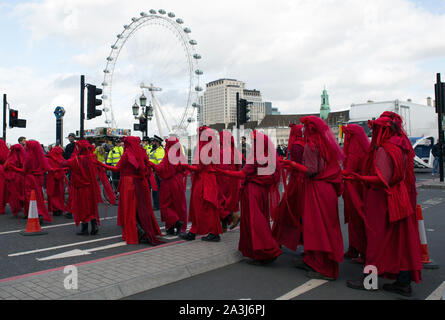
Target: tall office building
x: 219, y: 105
x: 220, y: 101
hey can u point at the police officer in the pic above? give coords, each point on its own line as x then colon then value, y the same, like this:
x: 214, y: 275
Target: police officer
x: 156, y: 155
x: 146, y: 144
x: 113, y: 158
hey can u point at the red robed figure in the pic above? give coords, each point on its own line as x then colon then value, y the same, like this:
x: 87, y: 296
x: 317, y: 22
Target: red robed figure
x: 204, y: 203
x: 229, y: 188
x: 34, y: 169
x: 4, y: 152
x: 356, y: 146
x: 323, y: 242
x: 287, y: 228
x: 84, y: 190
x: 55, y: 181
x: 172, y: 200
x: 15, y: 181
x: 259, y: 196
x: 134, y: 194
x: 393, y: 243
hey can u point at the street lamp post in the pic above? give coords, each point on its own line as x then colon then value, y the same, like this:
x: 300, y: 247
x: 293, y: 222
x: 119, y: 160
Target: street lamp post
x: 146, y: 112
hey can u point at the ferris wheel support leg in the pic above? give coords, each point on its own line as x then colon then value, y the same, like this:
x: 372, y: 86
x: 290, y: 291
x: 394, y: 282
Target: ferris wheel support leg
x: 156, y: 102
x: 158, y: 122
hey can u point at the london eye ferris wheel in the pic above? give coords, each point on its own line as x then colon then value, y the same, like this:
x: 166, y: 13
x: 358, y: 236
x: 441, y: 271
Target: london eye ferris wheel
x: 154, y: 53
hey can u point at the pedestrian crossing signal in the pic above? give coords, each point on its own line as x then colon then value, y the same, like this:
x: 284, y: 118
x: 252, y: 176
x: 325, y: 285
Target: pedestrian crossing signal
x: 14, y: 121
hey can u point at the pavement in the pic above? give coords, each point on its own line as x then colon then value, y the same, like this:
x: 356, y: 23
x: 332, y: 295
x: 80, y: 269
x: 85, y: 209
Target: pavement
x: 125, y: 274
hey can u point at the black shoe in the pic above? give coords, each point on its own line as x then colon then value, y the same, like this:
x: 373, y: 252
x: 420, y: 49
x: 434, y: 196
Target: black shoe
x: 94, y: 227
x: 189, y: 236
x: 171, y: 231
x: 260, y: 262
x: 40, y: 220
x: 397, y: 287
x: 178, y: 227
x: 57, y: 213
x: 211, y: 238
x: 359, y: 284
x: 301, y: 265
x: 69, y: 215
x: 84, y: 230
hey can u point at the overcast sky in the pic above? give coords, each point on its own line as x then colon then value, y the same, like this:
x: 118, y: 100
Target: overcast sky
x: 289, y: 50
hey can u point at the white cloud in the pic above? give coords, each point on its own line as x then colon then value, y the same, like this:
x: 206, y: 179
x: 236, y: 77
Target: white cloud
x: 288, y: 49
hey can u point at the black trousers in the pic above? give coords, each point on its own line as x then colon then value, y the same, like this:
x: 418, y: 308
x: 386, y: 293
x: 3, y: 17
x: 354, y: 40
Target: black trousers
x: 155, y: 194
x: 116, y: 176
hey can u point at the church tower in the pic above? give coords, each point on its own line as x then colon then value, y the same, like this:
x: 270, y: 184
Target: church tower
x: 324, y: 108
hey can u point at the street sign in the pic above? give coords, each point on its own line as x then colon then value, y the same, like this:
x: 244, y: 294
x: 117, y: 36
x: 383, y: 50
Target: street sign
x: 59, y: 112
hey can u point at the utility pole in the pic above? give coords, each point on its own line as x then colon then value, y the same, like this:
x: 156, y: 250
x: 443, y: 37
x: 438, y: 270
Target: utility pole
x: 440, y: 107
x: 5, y: 102
x: 82, y: 106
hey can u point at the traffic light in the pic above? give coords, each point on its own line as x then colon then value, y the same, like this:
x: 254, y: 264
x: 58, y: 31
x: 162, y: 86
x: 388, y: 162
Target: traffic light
x: 92, y: 102
x: 244, y: 111
x: 142, y: 124
x: 14, y: 120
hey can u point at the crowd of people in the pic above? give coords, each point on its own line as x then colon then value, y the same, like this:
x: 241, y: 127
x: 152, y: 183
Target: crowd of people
x: 231, y: 187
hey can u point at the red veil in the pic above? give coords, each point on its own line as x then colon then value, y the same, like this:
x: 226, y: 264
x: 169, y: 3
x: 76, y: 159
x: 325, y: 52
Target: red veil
x: 262, y: 146
x: 389, y: 134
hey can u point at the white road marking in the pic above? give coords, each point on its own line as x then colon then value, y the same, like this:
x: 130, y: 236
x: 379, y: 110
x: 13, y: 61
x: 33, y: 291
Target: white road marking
x: 307, y: 286
x: 53, y: 226
x: 62, y: 246
x: 431, y: 203
x: 438, y: 293
x: 77, y: 252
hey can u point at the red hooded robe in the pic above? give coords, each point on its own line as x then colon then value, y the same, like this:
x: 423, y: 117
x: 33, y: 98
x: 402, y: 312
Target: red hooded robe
x: 134, y: 194
x: 55, y: 181
x: 84, y: 191
x: 15, y: 181
x: 287, y: 226
x: 173, y: 203
x: 229, y: 188
x: 356, y: 149
x: 259, y: 195
x: 204, y: 211
x: 4, y: 152
x: 393, y: 242
x: 323, y: 242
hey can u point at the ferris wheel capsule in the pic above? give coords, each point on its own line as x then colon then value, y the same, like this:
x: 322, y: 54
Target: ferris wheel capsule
x: 107, y: 121
x: 195, y: 105
x: 119, y: 36
x: 197, y: 56
x: 198, y: 88
x: 114, y: 47
x: 152, y: 11
x: 180, y: 21
x: 187, y: 30
x: 104, y: 84
x: 171, y: 15
x: 190, y: 120
x: 193, y: 42
x: 106, y: 71
x: 126, y: 26
x: 134, y: 19
x: 199, y: 72
x: 143, y: 14
x: 110, y: 59
x: 162, y: 11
